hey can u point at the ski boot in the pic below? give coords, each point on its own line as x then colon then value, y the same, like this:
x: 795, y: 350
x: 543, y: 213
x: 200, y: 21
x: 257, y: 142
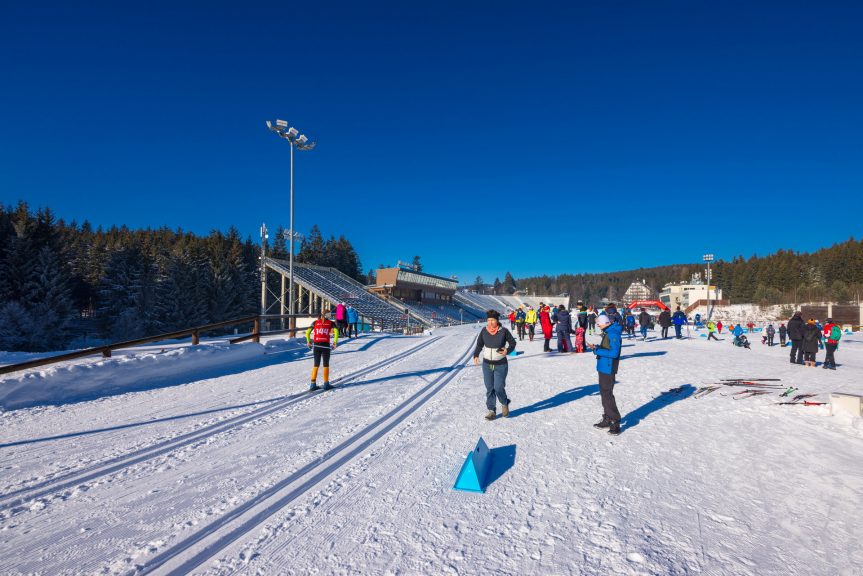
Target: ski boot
x: 491, y: 415
x: 313, y: 386
x: 328, y: 386
x: 604, y: 423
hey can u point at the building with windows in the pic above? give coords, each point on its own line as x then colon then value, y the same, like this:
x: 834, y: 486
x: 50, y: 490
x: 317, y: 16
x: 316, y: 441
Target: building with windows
x: 405, y: 283
x: 638, y: 291
x: 686, y: 294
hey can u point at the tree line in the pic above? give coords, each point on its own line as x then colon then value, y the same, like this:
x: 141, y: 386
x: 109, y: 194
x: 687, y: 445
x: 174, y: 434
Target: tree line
x: 60, y: 280
x: 786, y: 277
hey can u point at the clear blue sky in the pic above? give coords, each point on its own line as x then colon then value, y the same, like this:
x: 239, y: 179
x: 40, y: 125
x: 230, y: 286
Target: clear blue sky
x: 485, y: 137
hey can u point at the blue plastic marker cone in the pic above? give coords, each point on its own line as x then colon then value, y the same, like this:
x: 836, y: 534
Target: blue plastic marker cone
x: 473, y: 472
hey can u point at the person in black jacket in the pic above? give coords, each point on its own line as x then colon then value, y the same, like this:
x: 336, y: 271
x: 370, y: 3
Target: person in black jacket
x: 564, y: 328
x: 494, y: 343
x: 811, y: 342
x: 644, y: 322
x: 665, y: 322
x: 783, y: 334
x: 795, y: 334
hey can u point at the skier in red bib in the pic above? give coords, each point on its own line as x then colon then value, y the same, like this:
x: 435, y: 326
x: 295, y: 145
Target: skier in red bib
x: 318, y: 340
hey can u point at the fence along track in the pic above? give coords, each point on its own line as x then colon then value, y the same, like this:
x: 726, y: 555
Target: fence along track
x: 220, y: 534
x: 23, y: 495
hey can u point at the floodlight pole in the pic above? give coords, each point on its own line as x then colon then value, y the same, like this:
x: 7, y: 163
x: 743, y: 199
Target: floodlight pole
x: 708, y: 258
x: 291, y: 258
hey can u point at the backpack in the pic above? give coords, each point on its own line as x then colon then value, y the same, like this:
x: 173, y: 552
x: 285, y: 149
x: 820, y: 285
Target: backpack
x: 835, y: 333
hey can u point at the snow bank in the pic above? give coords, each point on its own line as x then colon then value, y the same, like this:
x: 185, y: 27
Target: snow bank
x: 59, y: 384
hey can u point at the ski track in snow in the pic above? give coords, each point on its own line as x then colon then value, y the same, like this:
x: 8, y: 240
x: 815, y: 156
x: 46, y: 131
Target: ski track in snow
x: 692, y: 486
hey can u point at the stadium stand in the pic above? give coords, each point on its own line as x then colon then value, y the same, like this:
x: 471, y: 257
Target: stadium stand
x: 334, y: 287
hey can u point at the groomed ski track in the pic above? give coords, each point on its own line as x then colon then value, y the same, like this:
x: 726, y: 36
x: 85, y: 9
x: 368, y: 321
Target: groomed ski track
x: 18, y: 497
x: 359, y: 480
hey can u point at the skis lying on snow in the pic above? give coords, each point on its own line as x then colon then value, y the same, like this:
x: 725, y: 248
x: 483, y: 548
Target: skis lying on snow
x: 750, y: 394
x: 802, y: 397
x: 705, y: 390
x: 750, y: 379
x: 791, y: 390
x: 752, y: 384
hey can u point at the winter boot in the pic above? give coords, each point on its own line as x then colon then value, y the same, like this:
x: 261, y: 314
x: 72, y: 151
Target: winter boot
x: 504, y: 410
x: 604, y: 423
x: 491, y: 415
x: 614, y: 428
x: 328, y: 386
x: 313, y: 386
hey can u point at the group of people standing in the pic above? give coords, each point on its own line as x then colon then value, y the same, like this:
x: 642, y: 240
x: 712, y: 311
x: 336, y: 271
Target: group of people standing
x: 495, y: 343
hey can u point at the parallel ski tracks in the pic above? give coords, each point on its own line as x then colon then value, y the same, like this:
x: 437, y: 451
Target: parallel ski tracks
x: 21, y: 496
x: 190, y: 553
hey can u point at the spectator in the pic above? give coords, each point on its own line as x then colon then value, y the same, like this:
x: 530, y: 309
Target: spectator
x: 665, y: 322
x: 783, y: 333
x: 811, y: 342
x: 719, y: 326
x: 564, y: 329
x: 795, y: 334
x: 644, y: 323
x: 678, y: 319
x: 494, y: 343
x: 832, y: 334
x: 342, y: 317
x: 353, y: 320
x: 771, y: 333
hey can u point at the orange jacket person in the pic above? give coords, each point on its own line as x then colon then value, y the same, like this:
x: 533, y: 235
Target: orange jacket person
x: 318, y: 339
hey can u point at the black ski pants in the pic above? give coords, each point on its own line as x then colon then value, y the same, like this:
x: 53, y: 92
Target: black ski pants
x: 712, y: 335
x: 797, y: 351
x: 770, y: 339
x: 665, y: 331
x: 606, y: 392
x: 530, y: 329
x: 829, y: 360
x: 521, y: 330
x: 322, y: 352
x: 547, y: 346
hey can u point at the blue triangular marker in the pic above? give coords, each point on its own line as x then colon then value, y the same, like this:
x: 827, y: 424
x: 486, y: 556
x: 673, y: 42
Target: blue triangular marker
x: 473, y: 472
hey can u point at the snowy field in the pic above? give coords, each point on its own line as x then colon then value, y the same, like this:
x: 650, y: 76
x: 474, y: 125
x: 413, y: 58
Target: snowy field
x: 213, y: 459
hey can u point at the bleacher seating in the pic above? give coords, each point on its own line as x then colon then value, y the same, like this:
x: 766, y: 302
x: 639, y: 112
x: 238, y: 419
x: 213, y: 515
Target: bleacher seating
x: 502, y: 304
x: 336, y: 287
x: 443, y: 314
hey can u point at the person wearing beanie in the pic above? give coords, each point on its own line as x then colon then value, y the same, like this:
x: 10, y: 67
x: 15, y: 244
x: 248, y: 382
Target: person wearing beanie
x: 547, y: 326
x: 811, y: 342
x: 678, y: 319
x: 795, y: 334
x: 494, y: 343
x: 832, y: 334
x: 607, y: 351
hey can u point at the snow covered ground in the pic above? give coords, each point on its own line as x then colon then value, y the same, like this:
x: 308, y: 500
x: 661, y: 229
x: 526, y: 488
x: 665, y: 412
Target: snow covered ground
x: 219, y: 462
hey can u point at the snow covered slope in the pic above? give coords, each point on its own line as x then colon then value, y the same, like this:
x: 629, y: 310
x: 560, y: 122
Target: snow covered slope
x: 239, y: 470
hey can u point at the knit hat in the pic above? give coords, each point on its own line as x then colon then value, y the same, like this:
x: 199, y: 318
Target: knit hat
x: 602, y: 320
x: 829, y: 320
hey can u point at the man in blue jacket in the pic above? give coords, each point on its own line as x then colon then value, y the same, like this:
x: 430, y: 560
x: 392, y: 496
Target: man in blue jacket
x: 353, y: 319
x: 607, y: 352
x: 678, y: 319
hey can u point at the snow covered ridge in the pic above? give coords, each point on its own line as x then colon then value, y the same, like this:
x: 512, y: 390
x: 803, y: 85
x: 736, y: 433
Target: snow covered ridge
x: 63, y: 383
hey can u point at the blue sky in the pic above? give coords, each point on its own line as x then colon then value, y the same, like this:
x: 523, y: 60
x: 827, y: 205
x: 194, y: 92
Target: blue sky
x: 483, y: 136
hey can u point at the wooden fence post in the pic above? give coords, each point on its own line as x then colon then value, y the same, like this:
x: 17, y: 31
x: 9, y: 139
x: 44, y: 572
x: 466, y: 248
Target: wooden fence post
x: 106, y: 353
x: 257, y: 330
x: 195, y: 338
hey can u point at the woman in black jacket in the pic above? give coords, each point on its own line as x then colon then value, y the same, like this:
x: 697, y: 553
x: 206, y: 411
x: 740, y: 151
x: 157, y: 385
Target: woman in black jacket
x: 494, y: 343
x: 811, y: 340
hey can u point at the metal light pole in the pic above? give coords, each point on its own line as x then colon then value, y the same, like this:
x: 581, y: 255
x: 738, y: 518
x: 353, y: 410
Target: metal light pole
x: 300, y: 142
x: 708, y: 258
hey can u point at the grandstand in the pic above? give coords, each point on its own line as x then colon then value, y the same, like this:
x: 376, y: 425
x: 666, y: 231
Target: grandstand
x: 503, y: 303
x: 322, y: 287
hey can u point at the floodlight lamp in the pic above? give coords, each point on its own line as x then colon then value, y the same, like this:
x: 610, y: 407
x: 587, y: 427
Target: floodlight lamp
x: 282, y: 123
x: 292, y: 132
x: 269, y: 125
x: 302, y: 139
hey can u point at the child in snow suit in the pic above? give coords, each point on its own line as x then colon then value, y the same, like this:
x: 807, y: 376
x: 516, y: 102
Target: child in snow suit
x: 579, y: 339
x: 494, y: 343
x: 318, y: 340
x: 783, y: 332
x: 771, y: 333
x: 832, y: 334
x: 606, y: 353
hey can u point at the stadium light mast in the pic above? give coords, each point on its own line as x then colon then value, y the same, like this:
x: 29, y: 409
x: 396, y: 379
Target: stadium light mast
x: 300, y: 142
x: 708, y: 258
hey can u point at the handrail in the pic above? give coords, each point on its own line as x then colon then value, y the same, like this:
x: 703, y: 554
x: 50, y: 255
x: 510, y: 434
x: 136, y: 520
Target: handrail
x: 107, y: 348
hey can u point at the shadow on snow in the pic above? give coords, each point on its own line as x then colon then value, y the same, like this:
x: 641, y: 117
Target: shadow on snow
x: 633, y: 418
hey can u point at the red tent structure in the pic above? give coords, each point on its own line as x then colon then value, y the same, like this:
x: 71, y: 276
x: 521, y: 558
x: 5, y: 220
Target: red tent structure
x: 647, y: 304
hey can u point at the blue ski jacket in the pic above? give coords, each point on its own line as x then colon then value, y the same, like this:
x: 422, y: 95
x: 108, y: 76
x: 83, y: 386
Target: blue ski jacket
x: 605, y: 358
x: 678, y: 318
x: 353, y: 316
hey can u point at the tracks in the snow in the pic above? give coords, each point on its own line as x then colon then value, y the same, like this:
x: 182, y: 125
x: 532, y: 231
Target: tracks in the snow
x: 21, y: 496
x: 189, y: 553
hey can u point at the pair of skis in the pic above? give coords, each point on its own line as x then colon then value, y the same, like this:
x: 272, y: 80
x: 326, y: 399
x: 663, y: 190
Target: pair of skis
x: 746, y: 393
x: 705, y: 390
x: 800, y: 399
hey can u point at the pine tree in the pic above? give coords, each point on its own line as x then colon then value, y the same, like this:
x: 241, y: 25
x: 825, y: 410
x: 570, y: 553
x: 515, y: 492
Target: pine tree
x: 416, y: 264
